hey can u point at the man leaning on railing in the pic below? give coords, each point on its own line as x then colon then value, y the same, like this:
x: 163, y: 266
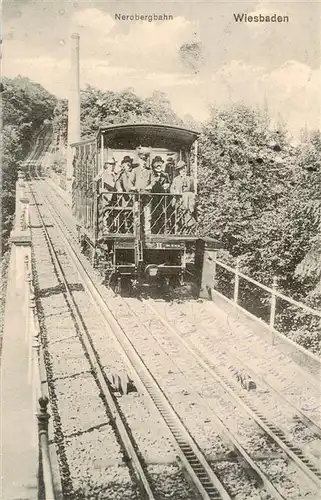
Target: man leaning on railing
x: 183, y: 184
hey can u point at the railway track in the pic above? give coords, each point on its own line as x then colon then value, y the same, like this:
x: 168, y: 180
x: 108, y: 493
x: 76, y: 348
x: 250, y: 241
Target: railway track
x: 236, y: 363
x: 33, y: 161
x: 238, y: 396
x: 200, y: 472
x: 95, y: 366
x: 253, y: 405
x: 293, y: 453
x: 233, y: 362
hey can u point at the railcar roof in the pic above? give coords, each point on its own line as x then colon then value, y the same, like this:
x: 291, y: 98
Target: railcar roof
x: 150, y: 134
x: 148, y: 131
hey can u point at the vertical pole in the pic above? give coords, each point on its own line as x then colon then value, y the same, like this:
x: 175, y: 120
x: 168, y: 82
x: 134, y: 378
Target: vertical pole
x: 214, y: 269
x: 73, y: 106
x: 28, y: 290
x: 27, y: 278
x: 195, y: 165
x: 102, y: 153
x: 43, y: 419
x: 273, y: 307
x: 236, y: 283
x: 165, y: 213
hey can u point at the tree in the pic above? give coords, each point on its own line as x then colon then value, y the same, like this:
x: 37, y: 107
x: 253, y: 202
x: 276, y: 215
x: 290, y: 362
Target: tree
x: 106, y: 108
x: 308, y: 210
x: 260, y: 195
x: 243, y: 174
x: 25, y: 106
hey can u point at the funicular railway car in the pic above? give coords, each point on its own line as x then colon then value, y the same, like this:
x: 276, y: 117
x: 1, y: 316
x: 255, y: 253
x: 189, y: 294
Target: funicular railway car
x: 134, y: 193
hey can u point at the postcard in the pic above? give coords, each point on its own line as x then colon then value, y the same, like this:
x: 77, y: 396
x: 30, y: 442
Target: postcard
x: 160, y: 250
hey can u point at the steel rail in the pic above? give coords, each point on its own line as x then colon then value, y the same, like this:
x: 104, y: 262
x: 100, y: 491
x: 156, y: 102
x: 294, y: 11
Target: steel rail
x: 49, y: 487
x: 95, y: 365
x: 267, y: 483
x: 292, y: 452
x: 277, y: 334
x: 271, y: 489
x: 309, y: 422
x: 201, y: 473
x: 314, y: 427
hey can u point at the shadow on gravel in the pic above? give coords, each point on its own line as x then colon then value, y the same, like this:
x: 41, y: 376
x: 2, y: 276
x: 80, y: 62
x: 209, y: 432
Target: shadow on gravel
x: 56, y: 290
x: 183, y: 293
x: 40, y: 226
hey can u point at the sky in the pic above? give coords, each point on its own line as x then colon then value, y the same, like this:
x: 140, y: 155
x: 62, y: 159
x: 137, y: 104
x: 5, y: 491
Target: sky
x: 202, y: 57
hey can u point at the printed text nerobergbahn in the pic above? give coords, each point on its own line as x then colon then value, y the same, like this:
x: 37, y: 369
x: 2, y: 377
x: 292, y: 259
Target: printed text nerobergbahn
x: 260, y: 18
x: 144, y: 17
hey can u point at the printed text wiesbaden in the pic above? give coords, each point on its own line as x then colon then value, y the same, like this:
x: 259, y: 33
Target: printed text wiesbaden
x: 260, y: 18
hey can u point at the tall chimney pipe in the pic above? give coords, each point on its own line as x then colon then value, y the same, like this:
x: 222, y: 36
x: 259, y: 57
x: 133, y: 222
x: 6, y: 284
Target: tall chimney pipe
x: 73, y: 105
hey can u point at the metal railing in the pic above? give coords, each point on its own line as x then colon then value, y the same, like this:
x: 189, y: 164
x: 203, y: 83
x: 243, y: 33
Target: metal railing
x: 166, y: 213
x: 272, y: 291
x: 158, y: 213
x: 116, y: 212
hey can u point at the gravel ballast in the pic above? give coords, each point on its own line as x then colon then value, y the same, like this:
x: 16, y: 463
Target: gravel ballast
x: 195, y: 399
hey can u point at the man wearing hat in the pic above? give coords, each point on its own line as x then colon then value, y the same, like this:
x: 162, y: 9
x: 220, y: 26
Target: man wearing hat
x: 159, y: 181
x: 183, y: 185
x: 124, y: 184
x: 106, y: 178
x: 106, y: 183
x: 106, y: 174
x: 170, y: 166
x: 142, y: 172
x: 124, y: 181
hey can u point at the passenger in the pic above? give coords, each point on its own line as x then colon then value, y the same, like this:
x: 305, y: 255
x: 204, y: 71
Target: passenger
x: 124, y: 184
x: 159, y: 184
x: 170, y: 166
x: 159, y: 181
x: 106, y: 178
x: 142, y: 173
x: 124, y: 181
x: 183, y: 185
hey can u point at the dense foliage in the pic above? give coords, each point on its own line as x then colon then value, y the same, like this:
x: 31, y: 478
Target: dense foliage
x: 106, y: 107
x: 25, y: 106
x: 261, y: 196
